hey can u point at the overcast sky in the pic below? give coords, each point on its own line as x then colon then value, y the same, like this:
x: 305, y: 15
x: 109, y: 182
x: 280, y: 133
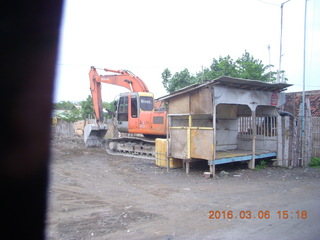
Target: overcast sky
x: 146, y: 37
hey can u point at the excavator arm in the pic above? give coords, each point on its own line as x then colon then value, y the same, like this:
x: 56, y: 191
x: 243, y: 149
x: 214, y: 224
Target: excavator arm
x: 94, y: 133
x: 123, y: 78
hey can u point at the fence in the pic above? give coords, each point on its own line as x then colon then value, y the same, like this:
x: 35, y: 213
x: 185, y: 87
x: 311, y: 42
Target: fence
x: 265, y: 127
x: 306, y: 144
x: 302, y: 142
x: 316, y: 137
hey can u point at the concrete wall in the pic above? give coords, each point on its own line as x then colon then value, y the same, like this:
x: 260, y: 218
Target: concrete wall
x: 63, y: 128
x: 265, y: 144
x: 226, y: 134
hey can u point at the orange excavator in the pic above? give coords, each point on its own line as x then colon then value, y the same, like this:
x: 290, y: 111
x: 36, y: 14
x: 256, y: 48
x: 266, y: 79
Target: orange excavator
x: 135, y: 113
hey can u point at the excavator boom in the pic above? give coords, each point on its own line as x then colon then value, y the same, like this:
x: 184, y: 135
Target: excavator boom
x: 126, y: 78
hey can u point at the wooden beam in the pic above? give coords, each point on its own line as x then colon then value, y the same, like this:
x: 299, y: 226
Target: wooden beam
x: 187, y: 167
x: 214, y: 117
x: 251, y: 163
x: 168, y: 142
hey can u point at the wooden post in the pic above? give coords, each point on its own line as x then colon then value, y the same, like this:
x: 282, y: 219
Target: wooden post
x: 187, y: 167
x: 280, y: 140
x: 286, y: 142
x: 189, y: 137
x: 214, y: 116
x: 251, y: 163
x: 316, y: 137
x: 213, y: 170
x: 168, y: 142
x: 298, y: 144
x: 308, y: 133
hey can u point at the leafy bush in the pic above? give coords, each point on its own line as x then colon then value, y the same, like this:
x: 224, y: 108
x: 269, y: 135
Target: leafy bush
x: 315, y: 162
x: 64, y: 105
x: 71, y: 116
x: 262, y: 164
x: 87, y: 107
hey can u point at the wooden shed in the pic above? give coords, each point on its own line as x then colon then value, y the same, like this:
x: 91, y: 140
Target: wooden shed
x: 224, y: 120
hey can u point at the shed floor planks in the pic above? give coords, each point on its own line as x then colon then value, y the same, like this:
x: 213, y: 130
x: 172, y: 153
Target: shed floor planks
x: 240, y: 155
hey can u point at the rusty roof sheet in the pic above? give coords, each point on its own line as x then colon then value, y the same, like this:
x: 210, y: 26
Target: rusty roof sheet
x: 232, y: 83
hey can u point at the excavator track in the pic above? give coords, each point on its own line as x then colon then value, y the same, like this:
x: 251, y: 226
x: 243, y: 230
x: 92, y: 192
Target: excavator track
x: 131, y: 147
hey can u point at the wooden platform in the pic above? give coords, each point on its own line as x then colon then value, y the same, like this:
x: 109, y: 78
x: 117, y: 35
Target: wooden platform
x: 240, y: 155
x: 231, y: 156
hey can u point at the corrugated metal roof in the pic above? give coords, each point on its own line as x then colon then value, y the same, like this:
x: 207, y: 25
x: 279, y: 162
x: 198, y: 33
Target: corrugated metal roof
x: 232, y: 83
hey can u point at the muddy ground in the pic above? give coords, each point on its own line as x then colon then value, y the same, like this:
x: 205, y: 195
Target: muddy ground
x: 93, y: 195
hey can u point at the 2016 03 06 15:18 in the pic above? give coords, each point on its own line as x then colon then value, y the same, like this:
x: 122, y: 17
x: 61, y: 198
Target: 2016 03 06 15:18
x: 263, y: 214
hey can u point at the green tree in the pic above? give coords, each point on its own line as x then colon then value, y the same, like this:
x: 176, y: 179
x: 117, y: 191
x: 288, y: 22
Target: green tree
x: 225, y: 66
x: 110, y: 108
x: 166, y: 79
x: 64, y: 105
x: 71, y: 112
x: 72, y: 115
x: 87, y: 107
x: 85, y: 111
x: 246, y: 67
x: 250, y: 68
x: 178, y: 80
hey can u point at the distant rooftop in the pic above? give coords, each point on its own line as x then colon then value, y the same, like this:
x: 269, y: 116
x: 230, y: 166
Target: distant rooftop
x: 294, y: 99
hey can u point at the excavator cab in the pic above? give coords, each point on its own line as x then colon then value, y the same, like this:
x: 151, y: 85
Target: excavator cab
x: 135, y: 114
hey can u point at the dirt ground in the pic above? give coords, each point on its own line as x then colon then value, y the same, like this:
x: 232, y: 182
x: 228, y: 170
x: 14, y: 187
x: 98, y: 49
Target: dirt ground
x: 93, y: 195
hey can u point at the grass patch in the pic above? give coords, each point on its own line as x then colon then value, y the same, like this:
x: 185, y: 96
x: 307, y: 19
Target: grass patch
x: 262, y: 165
x: 315, y: 162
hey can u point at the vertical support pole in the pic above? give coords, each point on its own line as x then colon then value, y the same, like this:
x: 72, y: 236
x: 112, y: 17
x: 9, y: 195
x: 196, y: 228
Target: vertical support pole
x: 286, y: 141
x: 268, y: 127
x: 187, y: 167
x: 281, y: 23
x: 308, y: 132
x: 280, y: 140
x: 188, y: 144
x: 303, y: 147
x: 214, y: 116
x: 252, y: 162
x: 168, y: 142
x: 213, y: 170
x: 189, y: 136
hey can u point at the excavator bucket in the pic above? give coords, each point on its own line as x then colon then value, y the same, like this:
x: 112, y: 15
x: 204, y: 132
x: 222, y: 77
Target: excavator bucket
x: 94, y: 135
